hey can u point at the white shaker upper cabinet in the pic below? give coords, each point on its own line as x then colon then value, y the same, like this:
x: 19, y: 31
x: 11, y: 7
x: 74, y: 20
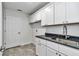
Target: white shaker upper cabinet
x: 47, y: 15
x: 59, y: 12
x: 38, y: 16
x: 32, y: 18
x: 43, y: 16
x: 35, y: 17
x: 72, y: 10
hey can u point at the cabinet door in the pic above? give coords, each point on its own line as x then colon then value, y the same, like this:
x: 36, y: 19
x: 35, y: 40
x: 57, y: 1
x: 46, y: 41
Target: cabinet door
x: 33, y: 36
x: 50, y: 15
x: 72, y: 10
x: 35, y: 17
x: 47, y: 15
x: 52, y: 45
x: 38, y: 16
x: 51, y: 52
x: 40, y: 47
x: 68, y: 50
x: 43, y: 47
x: 42, y: 50
x: 61, y: 54
x: 37, y: 44
x: 59, y: 12
x: 37, y: 49
x: 43, y: 17
x: 32, y: 18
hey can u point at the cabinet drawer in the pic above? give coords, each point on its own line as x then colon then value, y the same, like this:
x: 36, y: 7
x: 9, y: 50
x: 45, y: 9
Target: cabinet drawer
x: 42, y: 41
x: 52, y: 45
x: 51, y: 52
x: 60, y: 54
x: 68, y: 50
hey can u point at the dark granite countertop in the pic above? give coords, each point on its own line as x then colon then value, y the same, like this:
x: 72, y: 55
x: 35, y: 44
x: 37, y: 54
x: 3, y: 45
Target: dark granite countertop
x: 72, y: 41
x: 69, y: 37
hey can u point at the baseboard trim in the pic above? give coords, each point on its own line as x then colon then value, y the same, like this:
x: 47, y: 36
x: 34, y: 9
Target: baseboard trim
x: 19, y: 45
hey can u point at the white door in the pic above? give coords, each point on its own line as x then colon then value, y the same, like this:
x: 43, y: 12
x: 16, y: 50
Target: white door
x: 13, y: 31
x: 0, y: 27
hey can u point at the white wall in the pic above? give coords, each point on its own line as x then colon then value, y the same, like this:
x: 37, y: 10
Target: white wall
x: 0, y: 25
x: 17, y: 22
x: 37, y: 29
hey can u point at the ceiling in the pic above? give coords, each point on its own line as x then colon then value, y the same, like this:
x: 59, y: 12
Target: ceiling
x: 27, y: 7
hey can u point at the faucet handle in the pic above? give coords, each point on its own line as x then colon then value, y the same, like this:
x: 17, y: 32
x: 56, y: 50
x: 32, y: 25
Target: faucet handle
x: 67, y: 36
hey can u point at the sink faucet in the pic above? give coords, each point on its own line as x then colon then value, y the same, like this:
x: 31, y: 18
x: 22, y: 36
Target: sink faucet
x: 65, y: 30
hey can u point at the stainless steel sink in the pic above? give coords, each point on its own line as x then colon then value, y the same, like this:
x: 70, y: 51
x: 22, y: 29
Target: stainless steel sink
x: 68, y: 42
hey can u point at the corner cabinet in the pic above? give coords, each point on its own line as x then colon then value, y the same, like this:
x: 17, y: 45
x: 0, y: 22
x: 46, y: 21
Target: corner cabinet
x: 47, y: 16
x: 32, y: 18
x: 35, y: 17
x: 40, y: 47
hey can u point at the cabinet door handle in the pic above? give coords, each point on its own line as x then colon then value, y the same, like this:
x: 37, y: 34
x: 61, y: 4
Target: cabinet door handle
x: 56, y: 53
x: 59, y: 54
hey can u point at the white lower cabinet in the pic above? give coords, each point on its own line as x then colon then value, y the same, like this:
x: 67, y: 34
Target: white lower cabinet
x: 40, y: 47
x: 68, y: 51
x: 51, y: 52
x: 61, y: 54
x: 52, y: 45
x: 37, y: 48
x: 48, y: 48
x: 42, y: 50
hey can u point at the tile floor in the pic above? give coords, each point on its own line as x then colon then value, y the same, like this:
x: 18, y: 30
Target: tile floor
x: 26, y: 50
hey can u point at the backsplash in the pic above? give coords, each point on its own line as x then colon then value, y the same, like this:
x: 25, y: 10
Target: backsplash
x: 54, y: 29
x: 72, y: 29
